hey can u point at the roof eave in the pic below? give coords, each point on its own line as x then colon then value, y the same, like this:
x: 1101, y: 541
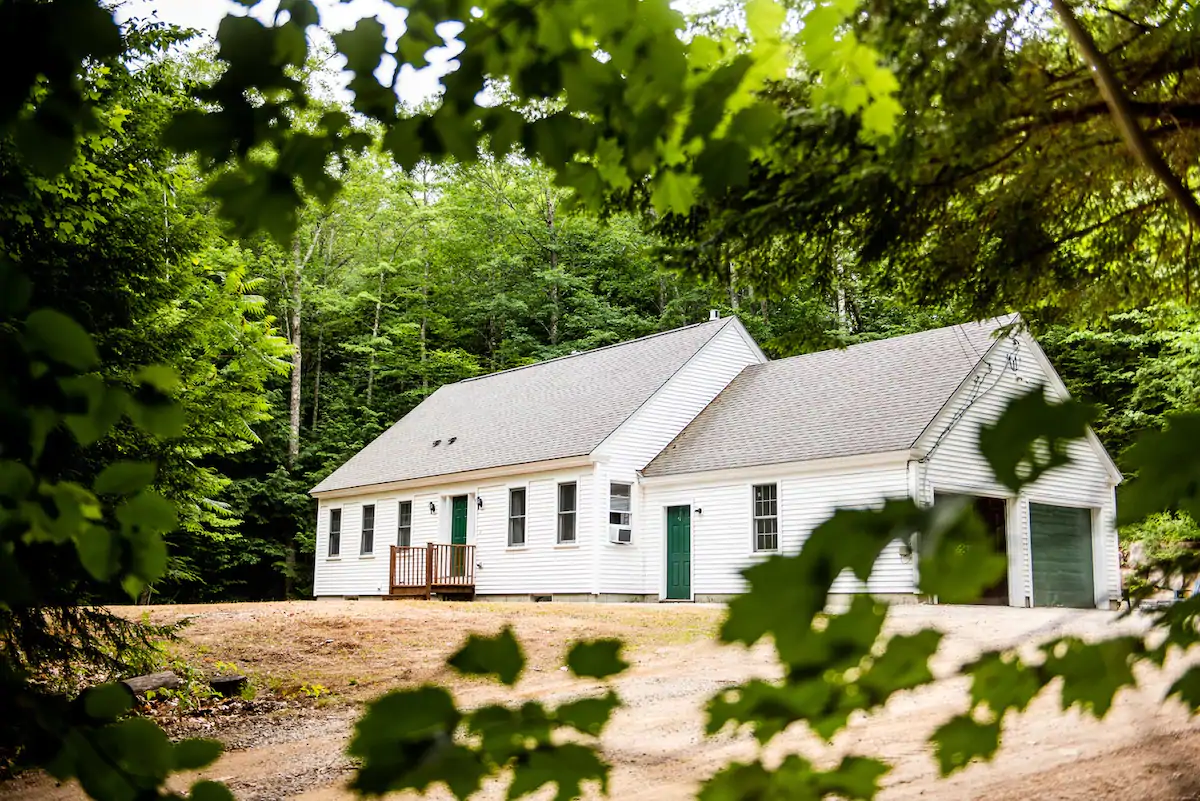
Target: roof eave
x: 461, y: 477
x: 801, y: 467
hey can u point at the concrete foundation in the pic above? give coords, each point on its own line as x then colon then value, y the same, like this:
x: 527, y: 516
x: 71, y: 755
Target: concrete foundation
x: 571, y: 597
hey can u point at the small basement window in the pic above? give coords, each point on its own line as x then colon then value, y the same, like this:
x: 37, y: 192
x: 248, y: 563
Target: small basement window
x: 620, y: 513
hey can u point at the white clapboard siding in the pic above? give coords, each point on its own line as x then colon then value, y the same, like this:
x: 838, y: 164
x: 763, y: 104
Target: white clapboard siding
x: 622, y: 568
x: 540, y: 567
x: 652, y: 427
x: 1013, y: 367
x: 354, y: 573
x: 722, y: 539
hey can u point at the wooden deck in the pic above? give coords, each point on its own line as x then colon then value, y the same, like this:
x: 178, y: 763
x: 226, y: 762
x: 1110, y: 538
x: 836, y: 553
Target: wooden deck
x: 423, y: 571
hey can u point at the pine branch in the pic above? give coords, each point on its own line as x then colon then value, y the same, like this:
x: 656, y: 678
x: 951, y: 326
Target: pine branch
x: 1122, y: 112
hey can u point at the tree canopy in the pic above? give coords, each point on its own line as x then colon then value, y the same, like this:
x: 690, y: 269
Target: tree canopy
x: 216, y: 282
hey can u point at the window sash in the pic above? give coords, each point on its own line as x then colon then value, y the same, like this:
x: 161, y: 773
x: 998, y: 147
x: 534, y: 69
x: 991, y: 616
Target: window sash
x: 620, y: 505
x: 766, y: 517
x: 335, y: 532
x: 367, y: 543
x: 404, y: 524
x: 567, y: 499
x: 620, y: 497
x: 516, y: 516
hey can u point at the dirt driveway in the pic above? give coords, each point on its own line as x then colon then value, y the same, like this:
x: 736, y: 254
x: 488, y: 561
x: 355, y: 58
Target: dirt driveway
x: 358, y: 649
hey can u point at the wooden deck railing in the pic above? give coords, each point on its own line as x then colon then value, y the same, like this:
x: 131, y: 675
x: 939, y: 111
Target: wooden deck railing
x: 422, y: 570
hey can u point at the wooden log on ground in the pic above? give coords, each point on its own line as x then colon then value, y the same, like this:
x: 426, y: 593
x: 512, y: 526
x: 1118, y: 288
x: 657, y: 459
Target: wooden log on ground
x: 166, y: 680
x: 228, y: 685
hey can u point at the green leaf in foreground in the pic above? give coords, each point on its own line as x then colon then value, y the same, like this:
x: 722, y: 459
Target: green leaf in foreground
x: 962, y: 739
x: 854, y: 778
x: 1187, y: 688
x: 108, y: 701
x: 596, y: 659
x: 1093, y: 672
x: 210, y: 791
x: 1002, y: 682
x: 588, y: 715
x: 1168, y: 471
x: 405, y: 740
x: 196, y: 753
x: 498, y: 656
x: 1031, y: 437
x: 567, y: 766
x: 57, y: 336
x: 124, y: 478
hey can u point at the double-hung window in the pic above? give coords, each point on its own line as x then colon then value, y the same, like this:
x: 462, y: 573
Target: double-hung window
x: 367, y: 543
x: 404, y: 524
x: 335, y: 532
x: 620, y: 513
x: 766, y: 517
x: 516, y: 517
x: 567, y: 495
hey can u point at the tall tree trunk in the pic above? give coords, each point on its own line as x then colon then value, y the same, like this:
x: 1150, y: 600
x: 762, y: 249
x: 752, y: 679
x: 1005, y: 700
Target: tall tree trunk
x: 1131, y: 132
x: 424, y: 329
x: 293, y: 451
x: 374, y: 337
x: 317, y: 375
x: 552, y: 245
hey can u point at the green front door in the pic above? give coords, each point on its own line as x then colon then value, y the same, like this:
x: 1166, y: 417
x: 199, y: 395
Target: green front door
x: 1061, y: 541
x: 679, y: 552
x: 458, y: 535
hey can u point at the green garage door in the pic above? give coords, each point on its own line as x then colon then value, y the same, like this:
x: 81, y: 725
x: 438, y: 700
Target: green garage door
x: 1061, y: 538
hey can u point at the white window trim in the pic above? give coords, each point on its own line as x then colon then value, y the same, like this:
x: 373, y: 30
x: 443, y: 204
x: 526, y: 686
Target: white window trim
x: 754, y: 549
x: 362, y: 527
x: 558, y: 513
x: 412, y: 514
x: 340, y: 508
x: 609, y: 511
x: 508, y: 517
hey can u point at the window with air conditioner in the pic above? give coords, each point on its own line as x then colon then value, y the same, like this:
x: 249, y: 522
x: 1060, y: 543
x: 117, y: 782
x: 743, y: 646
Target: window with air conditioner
x: 620, y: 513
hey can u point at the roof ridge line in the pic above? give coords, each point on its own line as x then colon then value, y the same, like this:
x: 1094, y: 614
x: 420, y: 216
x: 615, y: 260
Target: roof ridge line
x: 591, y: 350
x: 957, y: 327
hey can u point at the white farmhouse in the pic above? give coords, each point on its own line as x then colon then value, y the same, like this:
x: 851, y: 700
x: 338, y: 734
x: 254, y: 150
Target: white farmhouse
x: 658, y: 469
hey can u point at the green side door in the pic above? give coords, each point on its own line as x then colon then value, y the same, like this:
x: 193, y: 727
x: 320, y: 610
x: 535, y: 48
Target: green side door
x: 679, y: 552
x: 1061, y: 541
x: 458, y: 534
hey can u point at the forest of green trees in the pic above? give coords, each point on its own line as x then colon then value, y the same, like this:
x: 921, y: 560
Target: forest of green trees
x: 291, y: 359
x: 219, y: 278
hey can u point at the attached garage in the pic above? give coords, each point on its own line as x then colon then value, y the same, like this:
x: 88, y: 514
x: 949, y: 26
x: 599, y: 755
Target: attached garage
x: 1060, y: 539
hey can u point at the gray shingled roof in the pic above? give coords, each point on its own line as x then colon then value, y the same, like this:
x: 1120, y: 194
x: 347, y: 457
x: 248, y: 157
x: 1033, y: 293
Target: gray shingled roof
x: 550, y: 410
x: 868, y: 398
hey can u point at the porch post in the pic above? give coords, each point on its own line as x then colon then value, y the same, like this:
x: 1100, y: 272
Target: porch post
x: 429, y: 571
x: 391, y: 568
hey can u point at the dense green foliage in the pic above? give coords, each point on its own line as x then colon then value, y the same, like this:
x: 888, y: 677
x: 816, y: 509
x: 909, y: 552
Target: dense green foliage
x: 1004, y: 185
x: 169, y: 448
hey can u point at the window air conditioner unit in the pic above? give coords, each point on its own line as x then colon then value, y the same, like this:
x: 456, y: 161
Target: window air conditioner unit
x: 620, y: 535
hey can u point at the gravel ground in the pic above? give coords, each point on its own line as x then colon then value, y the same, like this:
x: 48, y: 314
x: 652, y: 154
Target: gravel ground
x: 656, y: 743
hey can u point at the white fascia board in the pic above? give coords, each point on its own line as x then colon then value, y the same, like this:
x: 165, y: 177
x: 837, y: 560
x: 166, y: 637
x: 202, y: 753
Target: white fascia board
x: 836, y: 464
x: 1062, y: 394
x: 464, y: 477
